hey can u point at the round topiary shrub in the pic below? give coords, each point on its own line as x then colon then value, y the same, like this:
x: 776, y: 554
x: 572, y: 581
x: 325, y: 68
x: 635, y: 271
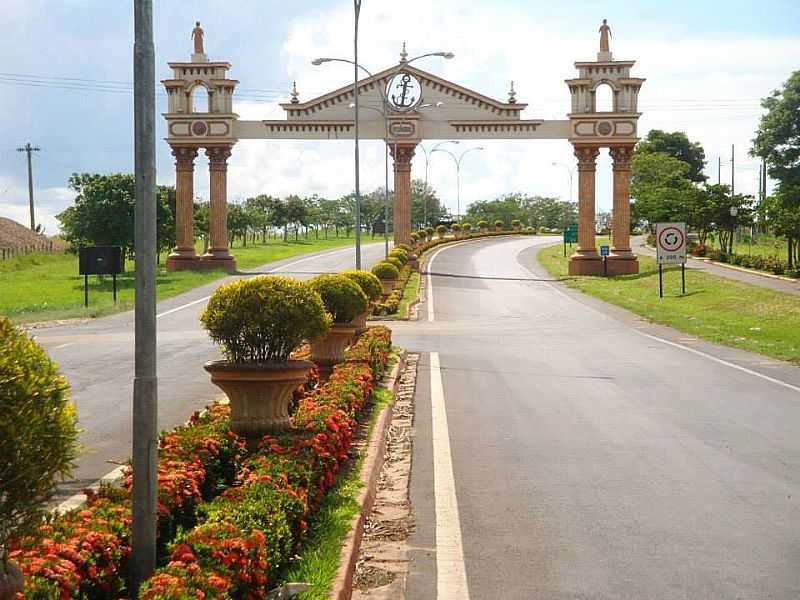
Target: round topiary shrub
x: 400, y: 255
x: 38, y: 433
x: 385, y: 271
x: 395, y: 261
x: 414, y: 237
x: 498, y: 223
x: 441, y: 229
x: 369, y: 284
x: 405, y: 247
x: 467, y: 227
x: 483, y: 224
x: 264, y: 319
x: 429, y: 231
x: 515, y: 223
x: 342, y: 296
x: 456, y: 226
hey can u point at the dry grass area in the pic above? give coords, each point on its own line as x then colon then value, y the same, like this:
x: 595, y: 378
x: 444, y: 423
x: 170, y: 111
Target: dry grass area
x: 16, y: 237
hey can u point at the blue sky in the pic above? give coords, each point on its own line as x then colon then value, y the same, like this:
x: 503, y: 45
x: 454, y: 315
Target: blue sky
x: 706, y: 64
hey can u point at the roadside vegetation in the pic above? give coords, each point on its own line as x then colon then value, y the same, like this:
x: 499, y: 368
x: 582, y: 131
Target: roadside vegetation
x: 714, y: 308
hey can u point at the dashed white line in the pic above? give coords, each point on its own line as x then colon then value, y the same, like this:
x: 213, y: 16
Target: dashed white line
x: 451, y: 576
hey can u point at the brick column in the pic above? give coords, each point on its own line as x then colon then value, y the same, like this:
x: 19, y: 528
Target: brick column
x: 586, y: 260
x: 622, y: 260
x: 402, y: 154
x: 218, y: 255
x: 184, y: 257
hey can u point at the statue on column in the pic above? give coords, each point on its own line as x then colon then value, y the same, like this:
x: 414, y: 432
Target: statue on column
x: 197, y: 36
x: 605, y: 33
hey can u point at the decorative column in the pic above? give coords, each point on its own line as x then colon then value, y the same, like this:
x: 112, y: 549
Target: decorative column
x: 402, y: 154
x: 218, y: 255
x: 586, y: 260
x: 622, y: 261
x: 184, y: 257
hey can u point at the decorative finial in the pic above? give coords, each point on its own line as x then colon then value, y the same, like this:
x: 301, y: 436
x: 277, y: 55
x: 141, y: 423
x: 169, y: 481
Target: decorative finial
x: 512, y: 95
x: 403, y: 54
x: 294, y: 93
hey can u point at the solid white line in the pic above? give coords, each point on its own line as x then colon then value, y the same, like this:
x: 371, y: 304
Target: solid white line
x: 711, y: 357
x: 60, y: 346
x: 276, y: 269
x: 451, y: 576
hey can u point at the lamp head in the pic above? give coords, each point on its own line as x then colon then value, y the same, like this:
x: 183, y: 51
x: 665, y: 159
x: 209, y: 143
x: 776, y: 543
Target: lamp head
x: 448, y: 55
x: 318, y: 61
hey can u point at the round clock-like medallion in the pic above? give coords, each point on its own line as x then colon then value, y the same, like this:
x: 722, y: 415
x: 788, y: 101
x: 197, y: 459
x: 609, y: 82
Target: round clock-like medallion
x: 604, y: 128
x: 199, y: 128
x: 404, y: 92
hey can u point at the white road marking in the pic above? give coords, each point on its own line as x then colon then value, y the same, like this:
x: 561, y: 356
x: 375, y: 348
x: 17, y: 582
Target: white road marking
x: 720, y: 361
x: 275, y: 270
x: 64, y: 345
x: 451, y: 576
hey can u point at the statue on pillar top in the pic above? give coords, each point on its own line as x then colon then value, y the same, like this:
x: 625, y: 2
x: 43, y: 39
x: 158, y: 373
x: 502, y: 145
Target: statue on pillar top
x: 197, y: 38
x: 605, y: 34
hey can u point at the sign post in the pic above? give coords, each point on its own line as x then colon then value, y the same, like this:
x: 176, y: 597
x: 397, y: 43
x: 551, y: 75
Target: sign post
x: 671, y: 250
x: 99, y: 260
x: 570, y: 236
x: 604, y: 252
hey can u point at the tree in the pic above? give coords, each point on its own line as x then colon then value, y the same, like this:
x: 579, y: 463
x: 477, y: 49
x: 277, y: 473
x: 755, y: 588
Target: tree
x: 296, y: 213
x: 201, y: 222
x: 103, y: 212
x: 259, y: 209
x: 778, y: 142
x: 424, y: 201
x: 551, y: 213
x: 238, y: 224
x: 660, y: 188
x: 676, y: 145
x: 505, y: 208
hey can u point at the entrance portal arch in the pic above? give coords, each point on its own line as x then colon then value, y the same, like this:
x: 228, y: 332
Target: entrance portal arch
x: 464, y: 114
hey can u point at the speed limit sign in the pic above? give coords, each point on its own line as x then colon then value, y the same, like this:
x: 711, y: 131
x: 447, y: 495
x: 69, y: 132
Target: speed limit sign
x: 671, y: 243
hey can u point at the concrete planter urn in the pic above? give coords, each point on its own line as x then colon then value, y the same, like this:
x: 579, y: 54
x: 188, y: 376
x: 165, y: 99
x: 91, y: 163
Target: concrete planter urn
x: 259, y: 394
x: 360, y: 322
x: 515, y: 227
x: 413, y: 262
x: 11, y: 580
x: 440, y: 235
x: 387, y: 286
x: 328, y: 350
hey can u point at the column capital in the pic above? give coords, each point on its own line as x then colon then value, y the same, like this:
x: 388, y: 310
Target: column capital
x: 184, y: 157
x: 402, y: 154
x: 587, y: 157
x: 218, y: 157
x: 622, y: 157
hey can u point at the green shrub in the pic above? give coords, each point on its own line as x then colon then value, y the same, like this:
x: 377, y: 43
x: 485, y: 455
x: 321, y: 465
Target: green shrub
x: 395, y: 261
x: 515, y: 223
x: 414, y: 237
x: 441, y: 229
x: 405, y: 247
x: 400, y: 255
x: 385, y: 271
x: 795, y: 273
x: 342, y: 297
x: 369, y: 284
x: 429, y: 231
x: 498, y: 223
x: 264, y: 319
x: 467, y: 227
x: 38, y: 432
x: 456, y: 226
x: 482, y: 224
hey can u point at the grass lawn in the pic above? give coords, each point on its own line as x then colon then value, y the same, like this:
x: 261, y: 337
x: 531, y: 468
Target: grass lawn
x: 331, y: 524
x: 40, y: 287
x: 763, y: 245
x: 410, y: 294
x: 714, y: 308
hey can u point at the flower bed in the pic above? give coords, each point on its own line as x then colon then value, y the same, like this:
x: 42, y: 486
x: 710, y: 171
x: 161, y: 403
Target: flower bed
x: 392, y: 302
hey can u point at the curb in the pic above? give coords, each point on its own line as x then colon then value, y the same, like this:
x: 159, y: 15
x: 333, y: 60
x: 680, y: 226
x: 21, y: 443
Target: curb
x: 370, y: 470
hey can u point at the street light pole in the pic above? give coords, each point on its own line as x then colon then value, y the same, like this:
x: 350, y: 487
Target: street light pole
x: 425, y: 191
x: 357, y: 9
x: 458, y: 172
x: 570, y: 172
x: 145, y: 382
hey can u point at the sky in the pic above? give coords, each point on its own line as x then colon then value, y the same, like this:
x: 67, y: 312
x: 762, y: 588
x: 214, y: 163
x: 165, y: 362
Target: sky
x: 65, y: 85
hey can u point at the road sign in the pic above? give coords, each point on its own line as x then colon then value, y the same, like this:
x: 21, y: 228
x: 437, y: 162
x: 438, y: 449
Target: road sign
x: 671, y: 243
x: 571, y: 234
x: 604, y: 251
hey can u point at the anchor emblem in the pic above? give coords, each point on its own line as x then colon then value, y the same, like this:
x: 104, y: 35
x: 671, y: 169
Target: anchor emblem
x: 404, y: 100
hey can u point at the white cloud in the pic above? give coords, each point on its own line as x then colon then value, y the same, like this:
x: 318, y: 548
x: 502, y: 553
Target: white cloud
x: 692, y: 85
x: 48, y: 202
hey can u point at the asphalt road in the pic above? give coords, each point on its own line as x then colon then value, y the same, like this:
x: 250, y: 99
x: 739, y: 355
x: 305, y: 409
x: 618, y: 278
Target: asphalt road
x: 592, y: 455
x: 97, y: 359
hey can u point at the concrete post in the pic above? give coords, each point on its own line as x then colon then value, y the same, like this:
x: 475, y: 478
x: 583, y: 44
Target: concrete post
x: 218, y: 255
x: 402, y: 154
x: 586, y: 260
x: 184, y: 255
x: 622, y: 260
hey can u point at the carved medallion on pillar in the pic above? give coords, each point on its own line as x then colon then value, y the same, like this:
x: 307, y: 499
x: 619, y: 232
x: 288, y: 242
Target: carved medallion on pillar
x: 218, y: 255
x: 622, y: 261
x: 183, y: 257
x: 402, y: 154
x: 586, y: 260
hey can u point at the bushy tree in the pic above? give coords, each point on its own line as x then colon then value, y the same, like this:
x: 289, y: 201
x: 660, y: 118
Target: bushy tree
x: 677, y: 145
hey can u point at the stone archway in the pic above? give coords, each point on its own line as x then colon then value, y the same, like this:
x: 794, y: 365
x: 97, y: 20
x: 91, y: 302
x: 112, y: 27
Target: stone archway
x: 466, y: 114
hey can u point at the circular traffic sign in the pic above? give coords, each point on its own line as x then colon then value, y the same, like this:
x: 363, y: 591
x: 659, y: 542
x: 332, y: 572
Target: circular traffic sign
x: 670, y: 239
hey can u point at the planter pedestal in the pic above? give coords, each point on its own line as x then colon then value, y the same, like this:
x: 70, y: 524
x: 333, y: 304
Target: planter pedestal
x: 328, y: 351
x: 413, y: 262
x: 259, y: 394
x: 11, y: 581
x: 388, y: 287
x: 360, y: 323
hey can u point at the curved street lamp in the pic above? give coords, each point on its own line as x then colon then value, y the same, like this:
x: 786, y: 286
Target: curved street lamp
x: 385, y: 107
x: 570, y: 171
x: 427, y: 159
x: 458, y: 171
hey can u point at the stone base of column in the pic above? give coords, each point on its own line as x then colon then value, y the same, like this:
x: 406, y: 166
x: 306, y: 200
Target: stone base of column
x: 179, y: 261
x: 624, y: 263
x: 218, y: 260
x: 585, y: 264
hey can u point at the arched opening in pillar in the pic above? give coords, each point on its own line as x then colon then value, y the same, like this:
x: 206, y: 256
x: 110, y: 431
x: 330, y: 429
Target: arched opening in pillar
x: 199, y: 99
x: 604, y: 98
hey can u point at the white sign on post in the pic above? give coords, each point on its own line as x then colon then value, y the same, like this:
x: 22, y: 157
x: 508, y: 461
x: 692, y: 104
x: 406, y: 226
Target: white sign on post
x: 671, y: 243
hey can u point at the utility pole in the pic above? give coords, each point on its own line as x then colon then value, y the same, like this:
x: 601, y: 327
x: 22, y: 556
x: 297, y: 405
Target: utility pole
x: 719, y: 170
x: 357, y: 9
x: 28, y: 148
x: 145, y: 382
x: 733, y: 171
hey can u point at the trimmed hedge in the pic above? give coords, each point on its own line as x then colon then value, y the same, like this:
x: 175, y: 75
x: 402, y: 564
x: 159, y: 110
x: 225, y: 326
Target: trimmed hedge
x: 368, y: 282
x: 385, y: 271
x: 342, y: 296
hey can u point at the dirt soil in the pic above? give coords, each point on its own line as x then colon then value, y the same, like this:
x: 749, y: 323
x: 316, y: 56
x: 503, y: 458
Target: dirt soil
x: 15, y: 235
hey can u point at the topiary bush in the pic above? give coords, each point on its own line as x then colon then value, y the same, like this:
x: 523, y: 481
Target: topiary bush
x: 395, y: 261
x: 429, y: 231
x: 341, y: 295
x: 483, y: 224
x: 368, y: 282
x: 414, y: 237
x: 441, y: 229
x: 467, y: 227
x: 264, y: 319
x: 385, y: 271
x: 400, y: 255
x: 498, y: 223
x: 456, y: 226
x: 38, y: 432
x: 515, y: 223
